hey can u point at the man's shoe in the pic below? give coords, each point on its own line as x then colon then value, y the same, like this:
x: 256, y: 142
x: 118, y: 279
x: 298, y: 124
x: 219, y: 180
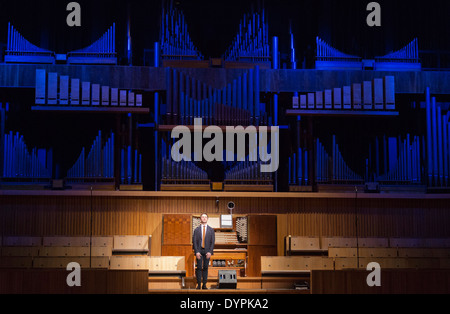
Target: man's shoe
x: 204, y: 287
x: 198, y: 287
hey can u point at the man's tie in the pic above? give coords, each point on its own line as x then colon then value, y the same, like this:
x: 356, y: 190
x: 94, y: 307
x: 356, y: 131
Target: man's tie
x: 203, y: 238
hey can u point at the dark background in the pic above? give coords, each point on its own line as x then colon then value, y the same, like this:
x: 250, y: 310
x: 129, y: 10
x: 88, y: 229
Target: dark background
x: 213, y: 24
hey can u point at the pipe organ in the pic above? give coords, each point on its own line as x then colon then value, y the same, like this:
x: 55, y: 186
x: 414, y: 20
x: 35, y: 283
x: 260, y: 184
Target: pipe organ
x: 102, y: 51
x: 175, y: 41
x: 179, y: 173
x: 55, y: 89
x: 437, y: 143
x: 405, y: 59
x: 98, y: 163
x: 20, y: 50
x: 377, y: 95
x: 23, y: 165
x: 251, y: 43
x: 237, y: 103
x: 239, y: 96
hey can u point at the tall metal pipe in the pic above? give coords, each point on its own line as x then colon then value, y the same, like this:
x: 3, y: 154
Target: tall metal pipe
x: 429, y: 138
x: 275, y: 53
x: 435, y: 140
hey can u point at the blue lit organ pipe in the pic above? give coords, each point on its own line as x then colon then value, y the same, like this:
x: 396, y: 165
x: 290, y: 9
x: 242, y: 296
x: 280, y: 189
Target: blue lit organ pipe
x: 250, y: 94
x: 251, y: 41
x: 405, y: 161
x: 129, y: 50
x: 429, y: 138
x: 18, y: 45
x: 247, y: 170
x: 2, y: 137
x: 275, y: 61
x: 18, y: 162
x: 238, y: 102
x: 156, y: 133
x: 439, y: 146
x: 437, y: 143
x: 98, y: 163
x: 322, y: 159
x: 292, y: 48
x: 257, y: 96
x: 174, y: 37
x: 183, y: 172
x: 445, y: 143
x: 128, y: 175
x: 340, y: 170
x: 298, y: 167
x: 434, y: 141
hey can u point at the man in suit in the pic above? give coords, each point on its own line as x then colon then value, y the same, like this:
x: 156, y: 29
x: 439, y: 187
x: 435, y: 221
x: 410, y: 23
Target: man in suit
x: 203, y: 241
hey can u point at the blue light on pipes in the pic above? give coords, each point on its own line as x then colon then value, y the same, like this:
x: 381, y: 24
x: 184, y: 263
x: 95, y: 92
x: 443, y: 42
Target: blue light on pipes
x: 275, y: 53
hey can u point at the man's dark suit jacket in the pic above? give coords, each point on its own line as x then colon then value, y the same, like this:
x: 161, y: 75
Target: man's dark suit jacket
x: 210, y: 239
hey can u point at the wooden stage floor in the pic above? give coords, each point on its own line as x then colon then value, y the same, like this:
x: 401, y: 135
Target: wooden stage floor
x: 228, y: 291
x: 245, y: 285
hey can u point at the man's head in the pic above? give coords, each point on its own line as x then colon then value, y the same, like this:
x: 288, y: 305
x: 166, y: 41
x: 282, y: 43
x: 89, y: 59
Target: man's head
x: 204, y: 218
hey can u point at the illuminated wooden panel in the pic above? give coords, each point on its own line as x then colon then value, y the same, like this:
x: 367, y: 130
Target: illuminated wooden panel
x: 342, y: 252
x: 129, y: 262
x: 167, y: 263
x: 60, y: 262
x: 305, y: 244
x: 22, y: 241
x: 16, y: 262
x: 102, y: 241
x: 345, y: 263
x: 20, y: 251
x: 63, y: 251
x: 337, y: 242
x: 130, y: 243
x: 373, y: 242
x: 100, y: 262
x: 101, y: 251
x: 377, y: 252
x: 177, y: 229
x: 66, y: 241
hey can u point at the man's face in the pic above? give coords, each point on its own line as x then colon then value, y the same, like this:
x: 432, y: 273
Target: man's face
x: 204, y: 219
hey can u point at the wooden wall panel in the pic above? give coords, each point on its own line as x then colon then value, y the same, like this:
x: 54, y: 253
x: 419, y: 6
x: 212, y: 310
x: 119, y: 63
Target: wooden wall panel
x: 44, y: 281
x: 282, y: 232
x: 254, y: 258
x: 262, y: 241
x: 177, y: 229
x: 262, y: 230
x: 181, y: 250
x: 113, y: 215
x: 392, y: 282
